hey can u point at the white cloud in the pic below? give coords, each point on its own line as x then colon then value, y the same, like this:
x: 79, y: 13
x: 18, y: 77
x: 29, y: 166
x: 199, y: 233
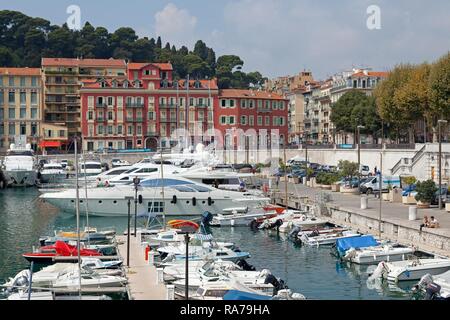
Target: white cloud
x: 175, y: 25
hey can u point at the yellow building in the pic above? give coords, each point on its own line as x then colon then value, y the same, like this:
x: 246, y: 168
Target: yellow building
x: 20, y: 105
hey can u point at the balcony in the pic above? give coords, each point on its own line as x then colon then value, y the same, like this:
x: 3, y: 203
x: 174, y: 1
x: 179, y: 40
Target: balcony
x: 100, y: 105
x: 135, y: 104
x: 152, y: 134
x: 168, y: 120
x: 263, y: 109
x: 167, y: 106
x: 100, y: 119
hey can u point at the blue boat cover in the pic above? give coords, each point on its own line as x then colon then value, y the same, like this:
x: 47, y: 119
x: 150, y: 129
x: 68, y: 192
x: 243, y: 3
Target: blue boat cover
x: 342, y: 245
x: 242, y: 295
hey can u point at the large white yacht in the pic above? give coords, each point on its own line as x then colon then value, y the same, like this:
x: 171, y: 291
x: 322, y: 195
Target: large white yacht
x: 19, y: 166
x: 52, y: 173
x: 181, y: 197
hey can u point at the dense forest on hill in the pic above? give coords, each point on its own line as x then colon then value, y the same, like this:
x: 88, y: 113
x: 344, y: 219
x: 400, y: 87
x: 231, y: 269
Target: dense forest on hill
x: 25, y: 40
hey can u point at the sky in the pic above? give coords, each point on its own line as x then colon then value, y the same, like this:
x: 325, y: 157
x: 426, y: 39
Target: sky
x: 277, y: 37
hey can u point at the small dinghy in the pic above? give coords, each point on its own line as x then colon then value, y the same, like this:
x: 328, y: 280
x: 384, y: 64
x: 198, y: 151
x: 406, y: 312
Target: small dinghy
x: 411, y: 269
x: 46, y: 254
x: 328, y: 238
x: 374, y: 255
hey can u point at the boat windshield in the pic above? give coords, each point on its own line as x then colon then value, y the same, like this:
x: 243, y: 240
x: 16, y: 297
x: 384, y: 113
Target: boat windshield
x: 20, y: 153
x: 92, y: 166
x: 153, y: 183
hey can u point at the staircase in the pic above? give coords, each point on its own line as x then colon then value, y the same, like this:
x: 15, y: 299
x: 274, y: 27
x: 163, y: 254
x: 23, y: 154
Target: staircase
x: 405, y: 165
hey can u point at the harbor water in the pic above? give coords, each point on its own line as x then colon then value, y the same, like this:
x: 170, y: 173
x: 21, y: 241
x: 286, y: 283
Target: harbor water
x: 312, y: 271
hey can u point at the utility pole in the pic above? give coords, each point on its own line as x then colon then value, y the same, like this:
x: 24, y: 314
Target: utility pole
x: 381, y: 178
x: 440, y: 162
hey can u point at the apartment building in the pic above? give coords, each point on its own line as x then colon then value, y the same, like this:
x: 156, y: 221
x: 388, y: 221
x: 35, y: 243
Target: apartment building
x: 62, y: 82
x: 146, y: 107
x: 261, y: 112
x: 20, y: 105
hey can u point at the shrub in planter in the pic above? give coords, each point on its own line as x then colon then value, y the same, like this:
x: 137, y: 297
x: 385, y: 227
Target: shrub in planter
x: 426, y: 191
x: 409, y: 180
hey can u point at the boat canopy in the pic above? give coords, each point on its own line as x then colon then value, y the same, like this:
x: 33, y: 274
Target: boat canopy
x: 342, y: 245
x: 242, y: 295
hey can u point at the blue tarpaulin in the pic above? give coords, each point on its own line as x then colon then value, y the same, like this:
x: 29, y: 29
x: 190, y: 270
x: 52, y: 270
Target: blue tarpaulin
x: 342, y: 245
x: 242, y: 295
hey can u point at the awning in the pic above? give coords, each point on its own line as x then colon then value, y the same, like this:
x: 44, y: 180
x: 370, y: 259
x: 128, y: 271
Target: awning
x: 50, y: 144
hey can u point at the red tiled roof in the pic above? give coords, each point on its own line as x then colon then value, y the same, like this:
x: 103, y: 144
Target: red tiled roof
x: 74, y: 62
x: 20, y: 71
x: 371, y: 74
x: 240, y: 93
x: 137, y: 66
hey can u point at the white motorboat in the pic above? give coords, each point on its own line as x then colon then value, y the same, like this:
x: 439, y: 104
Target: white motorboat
x: 201, y: 253
x: 182, y: 197
x: 178, y: 270
x: 97, y: 264
x: 374, y: 255
x: 91, y: 168
x: 48, y: 295
x: 19, y: 166
x: 293, y: 218
x: 239, y: 217
x: 52, y: 173
x: 411, y: 269
x: 88, y: 280
x: 216, y: 290
x: 326, y: 238
x: 50, y: 275
x: 119, y: 163
x: 254, y: 283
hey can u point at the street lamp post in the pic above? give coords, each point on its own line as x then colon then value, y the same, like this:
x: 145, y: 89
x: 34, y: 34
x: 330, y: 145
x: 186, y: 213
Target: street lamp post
x: 359, y: 157
x: 136, y: 182
x: 440, y: 162
x: 128, y: 233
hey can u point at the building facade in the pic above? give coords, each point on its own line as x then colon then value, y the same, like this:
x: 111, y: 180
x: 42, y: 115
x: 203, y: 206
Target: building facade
x: 254, y: 112
x: 62, y: 82
x: 146, y: 107
x: 20, y: 105
x: 287, y: 84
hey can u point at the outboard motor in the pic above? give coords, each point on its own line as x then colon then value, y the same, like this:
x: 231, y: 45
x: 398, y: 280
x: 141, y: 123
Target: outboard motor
x: 432, y: 291
x: 21, y: 281
x: 245, y: 265
x: 294, y: 232
x: 206, y: 218
x: 254, y: 224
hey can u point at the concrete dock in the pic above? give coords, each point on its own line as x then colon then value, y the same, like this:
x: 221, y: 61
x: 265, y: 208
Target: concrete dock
x: 345, y: 209
x: 142, y: 277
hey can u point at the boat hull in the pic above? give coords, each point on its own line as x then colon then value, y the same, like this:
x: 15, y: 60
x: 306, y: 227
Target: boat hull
x: 119, y: 207
x: 20, y: 178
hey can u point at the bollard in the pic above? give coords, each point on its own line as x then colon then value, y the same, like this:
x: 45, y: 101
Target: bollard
x: 170, y: 292
x: 160, y: 275
x: 304, y: 181
x: 151, y: 257
x: 232, y: 222
x: 412, y: 213
x: 364, y: 202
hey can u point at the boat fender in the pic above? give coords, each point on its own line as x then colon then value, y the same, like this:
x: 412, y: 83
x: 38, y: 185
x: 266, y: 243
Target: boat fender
x: 210, y: 202
x: 194, y: 201
x: 140, y: 199
x: 174, y: 199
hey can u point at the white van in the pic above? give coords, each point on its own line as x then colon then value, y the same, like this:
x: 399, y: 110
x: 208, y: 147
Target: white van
x: 373, y: 184
x: 364, y: 170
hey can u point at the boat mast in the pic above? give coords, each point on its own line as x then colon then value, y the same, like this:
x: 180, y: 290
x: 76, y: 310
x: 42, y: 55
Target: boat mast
x: 77, y: 209
x: 86, y: 199
x: 285, y: 178
x: 162, y: 188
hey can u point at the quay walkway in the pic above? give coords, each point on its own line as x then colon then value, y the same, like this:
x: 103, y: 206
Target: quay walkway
x: 345, y: 209
x: 142, y: 277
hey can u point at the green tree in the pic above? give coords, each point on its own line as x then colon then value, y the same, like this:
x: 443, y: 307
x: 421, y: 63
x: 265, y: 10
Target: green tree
x: 387, y: 107
x: 439, y: 89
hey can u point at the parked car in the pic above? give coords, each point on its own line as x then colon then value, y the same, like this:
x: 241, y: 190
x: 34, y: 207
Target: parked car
x: 364, y: 170
x: 444, y: 195
x: 373, y: 183
x: 297, y: 174
x: 408, y: 190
